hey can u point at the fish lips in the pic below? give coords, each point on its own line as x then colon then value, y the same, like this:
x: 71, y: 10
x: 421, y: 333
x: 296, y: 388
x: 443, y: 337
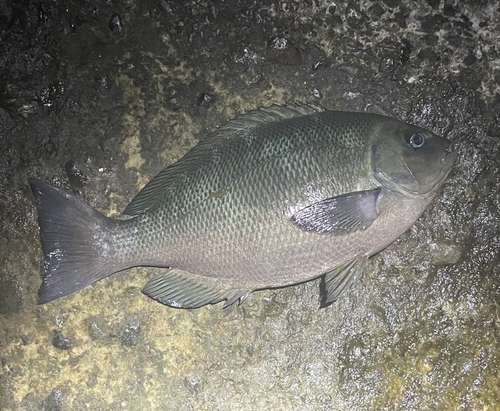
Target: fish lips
x: 447, y: 162
x: 423, y: 190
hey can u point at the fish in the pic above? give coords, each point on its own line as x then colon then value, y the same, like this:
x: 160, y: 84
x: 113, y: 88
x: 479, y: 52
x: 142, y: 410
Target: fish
x: 275, y: 197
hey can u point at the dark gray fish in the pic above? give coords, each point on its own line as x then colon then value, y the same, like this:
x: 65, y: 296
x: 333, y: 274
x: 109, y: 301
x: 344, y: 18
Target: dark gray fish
x: 276, y: 197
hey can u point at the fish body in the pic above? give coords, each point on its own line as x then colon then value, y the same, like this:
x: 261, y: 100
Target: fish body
x: 276, y: 197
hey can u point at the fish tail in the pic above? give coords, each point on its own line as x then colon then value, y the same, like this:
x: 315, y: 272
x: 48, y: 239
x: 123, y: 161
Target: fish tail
x: 74, y: 241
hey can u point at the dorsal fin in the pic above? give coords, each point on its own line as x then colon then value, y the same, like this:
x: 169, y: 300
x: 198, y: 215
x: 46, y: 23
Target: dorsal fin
x: 262, y: 116
x: 207, y: 151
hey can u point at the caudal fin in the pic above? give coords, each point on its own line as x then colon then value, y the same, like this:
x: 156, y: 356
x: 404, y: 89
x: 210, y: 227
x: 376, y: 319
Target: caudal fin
x: 74, y: 242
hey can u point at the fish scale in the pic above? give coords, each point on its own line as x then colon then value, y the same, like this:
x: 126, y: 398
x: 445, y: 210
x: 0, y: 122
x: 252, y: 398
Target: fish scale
x: 276, y: 197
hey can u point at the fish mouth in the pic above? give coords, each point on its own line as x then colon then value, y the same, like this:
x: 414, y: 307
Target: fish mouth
x: 447, y: 162
x: 421, y: 189
x: 430, y: 189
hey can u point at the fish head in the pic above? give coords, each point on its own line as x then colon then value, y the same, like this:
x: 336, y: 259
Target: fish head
x: 409, y: 159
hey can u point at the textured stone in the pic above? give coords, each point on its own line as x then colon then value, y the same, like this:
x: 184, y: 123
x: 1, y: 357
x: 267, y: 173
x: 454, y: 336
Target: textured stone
x: 99, y: 111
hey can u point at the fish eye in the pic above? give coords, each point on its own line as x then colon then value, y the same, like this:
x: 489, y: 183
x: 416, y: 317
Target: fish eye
x: 417, y: 140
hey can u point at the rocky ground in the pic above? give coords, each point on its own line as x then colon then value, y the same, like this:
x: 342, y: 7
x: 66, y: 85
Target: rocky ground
x: 98, y: 96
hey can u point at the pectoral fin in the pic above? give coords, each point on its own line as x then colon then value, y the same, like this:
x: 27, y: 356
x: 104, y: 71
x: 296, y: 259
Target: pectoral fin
x: 338, y: 280
x: 340, y: 215
x: 180, y: 289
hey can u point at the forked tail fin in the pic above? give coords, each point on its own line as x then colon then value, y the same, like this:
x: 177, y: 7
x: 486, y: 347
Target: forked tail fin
x: 74, y: 241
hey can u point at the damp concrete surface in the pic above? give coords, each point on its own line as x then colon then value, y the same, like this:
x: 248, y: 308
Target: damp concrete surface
x: 96, y: 97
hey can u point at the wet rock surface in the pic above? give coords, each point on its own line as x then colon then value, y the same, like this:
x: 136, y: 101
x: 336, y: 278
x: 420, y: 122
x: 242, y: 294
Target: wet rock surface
x: 97, y: 97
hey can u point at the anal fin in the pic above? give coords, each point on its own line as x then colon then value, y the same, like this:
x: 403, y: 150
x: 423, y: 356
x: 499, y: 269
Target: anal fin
x: 337, y: 281
x: 180, y: 289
